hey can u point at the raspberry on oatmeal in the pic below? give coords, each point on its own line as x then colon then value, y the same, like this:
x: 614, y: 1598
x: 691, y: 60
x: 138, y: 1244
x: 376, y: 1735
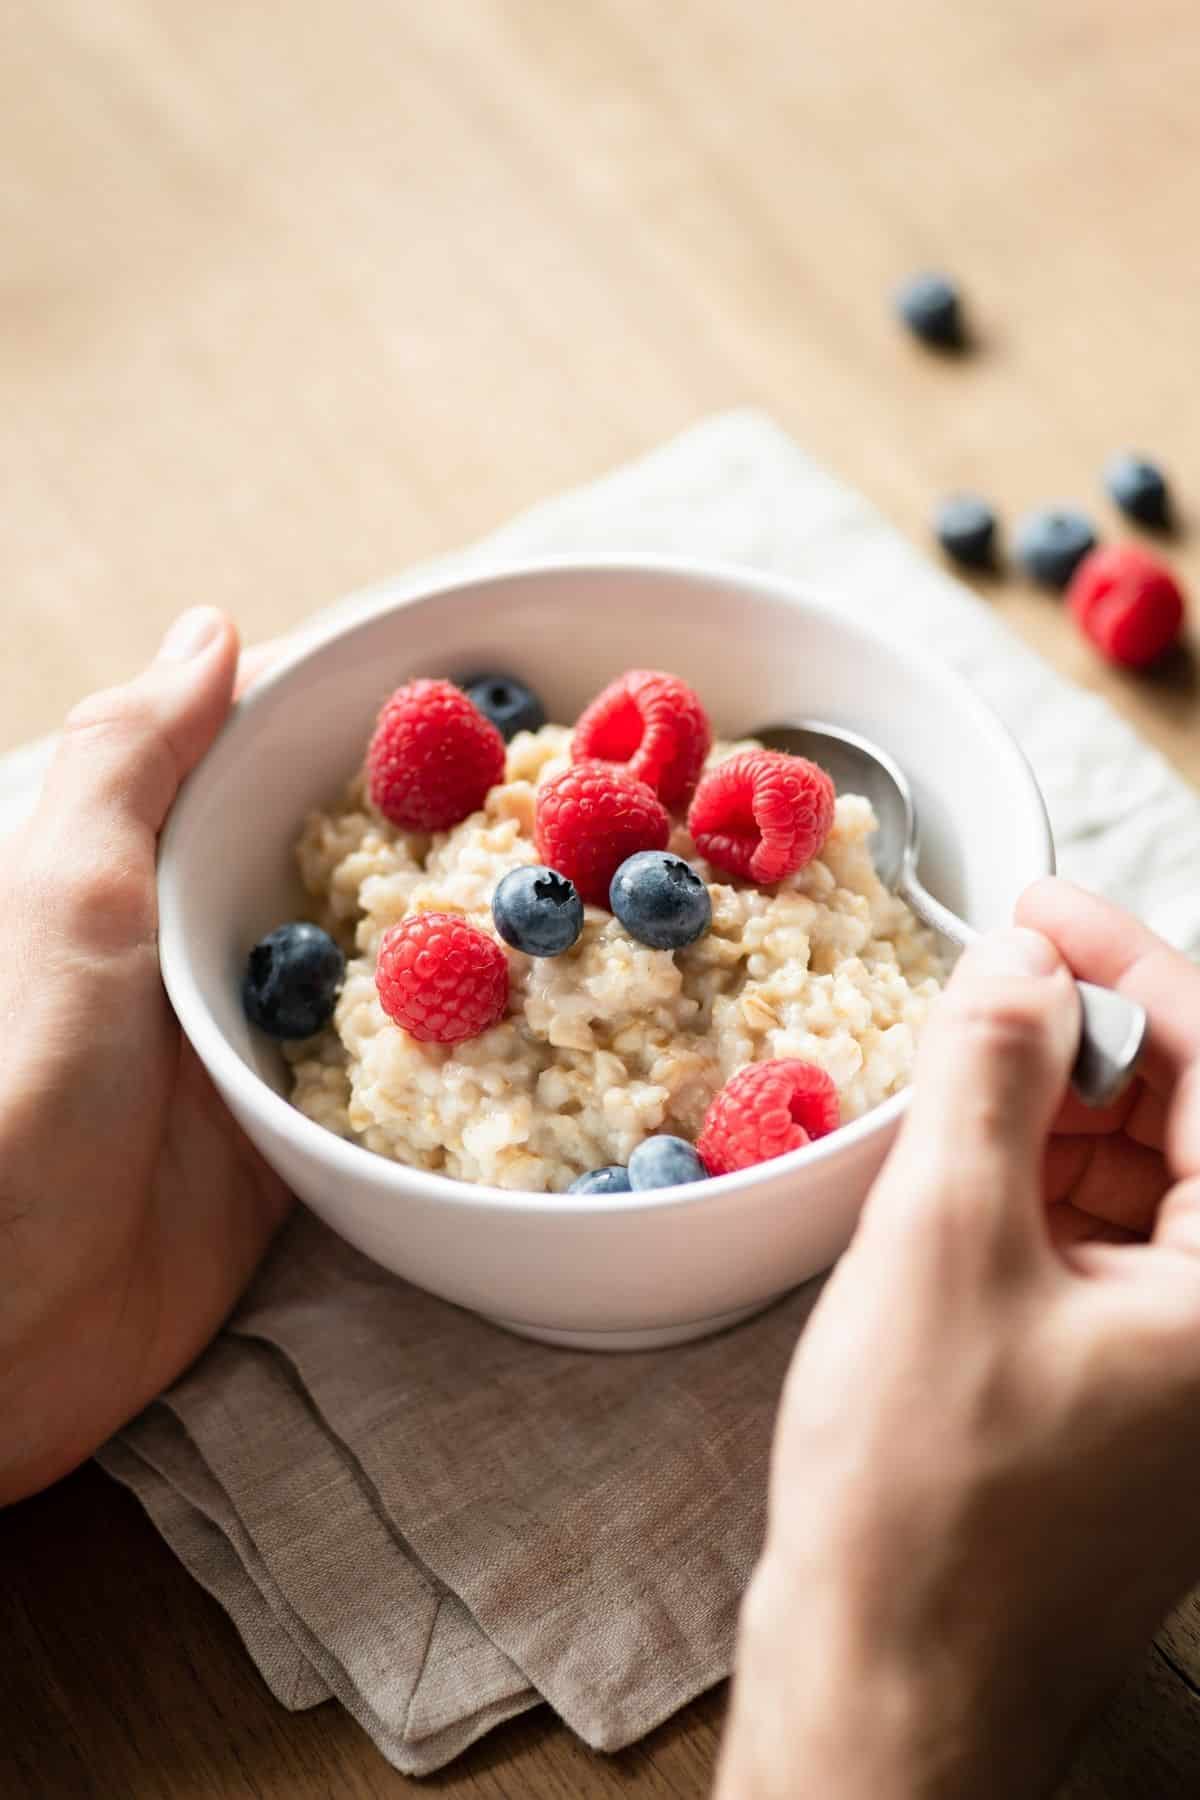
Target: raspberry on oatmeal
x: 611, y: 1042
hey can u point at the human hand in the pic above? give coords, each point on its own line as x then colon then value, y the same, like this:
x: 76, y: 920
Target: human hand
x: 987, y: 1462
x: 132, y: 1208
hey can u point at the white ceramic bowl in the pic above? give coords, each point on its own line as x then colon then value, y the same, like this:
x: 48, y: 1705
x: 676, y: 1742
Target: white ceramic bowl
x: 638, y: 1269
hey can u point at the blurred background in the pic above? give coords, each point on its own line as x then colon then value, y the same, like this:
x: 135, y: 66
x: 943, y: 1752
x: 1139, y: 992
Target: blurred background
x: 294, y: 294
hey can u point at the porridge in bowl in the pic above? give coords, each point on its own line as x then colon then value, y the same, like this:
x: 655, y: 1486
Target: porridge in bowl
x: 606, y: 957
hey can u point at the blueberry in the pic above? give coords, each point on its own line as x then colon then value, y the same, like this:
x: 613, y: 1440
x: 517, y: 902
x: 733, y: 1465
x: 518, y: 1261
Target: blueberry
x: 612, y: 1179
x: 660, y: 1162
x: 1050, y: 544
x: 507, y: 702
x: 537, y: 910
x: 660, y: 900
x: 966, y: 529
x: 929, y: 305
x: 291, y: 982
x: 1138, y: 486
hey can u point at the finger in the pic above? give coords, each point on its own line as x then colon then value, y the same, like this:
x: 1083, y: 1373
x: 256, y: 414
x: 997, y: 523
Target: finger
x: 992, y: 1068
x: 1065, y: 1161
x: 1076, y: 1119
x: 254, y: 662
x: 1141, y: 1113
x: 1110, y: 1179
x: 119, y: 764
x: 1160, y: 1279
x: 1104, y: 944
x: 1069, y: 1228
x: 1178, y: 1226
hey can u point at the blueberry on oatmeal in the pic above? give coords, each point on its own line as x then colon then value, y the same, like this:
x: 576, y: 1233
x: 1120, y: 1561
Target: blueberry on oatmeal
x: 660, y: 900
x: 612, y: 1179
x: 536, y: 910
x: 665, y: 1161
x: 507, y: 702
x: 291, y: 982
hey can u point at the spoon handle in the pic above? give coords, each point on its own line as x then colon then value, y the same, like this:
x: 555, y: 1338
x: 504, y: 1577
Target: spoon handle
x: 931, y: 912
x: 1112, y: 1028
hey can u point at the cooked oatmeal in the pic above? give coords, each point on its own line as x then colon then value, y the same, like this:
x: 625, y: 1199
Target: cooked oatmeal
x: 612, y: 1041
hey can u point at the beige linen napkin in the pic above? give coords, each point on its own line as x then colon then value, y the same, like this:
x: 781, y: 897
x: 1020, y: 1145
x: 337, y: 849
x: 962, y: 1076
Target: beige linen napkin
x: 448, y: 1523
x: 438, y: 1524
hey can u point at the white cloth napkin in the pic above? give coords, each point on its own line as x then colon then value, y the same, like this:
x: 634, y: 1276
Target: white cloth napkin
x: 436, y: 1524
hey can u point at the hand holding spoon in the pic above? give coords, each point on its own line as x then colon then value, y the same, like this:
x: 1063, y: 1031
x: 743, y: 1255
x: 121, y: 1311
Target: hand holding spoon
x: 1113, y: 1029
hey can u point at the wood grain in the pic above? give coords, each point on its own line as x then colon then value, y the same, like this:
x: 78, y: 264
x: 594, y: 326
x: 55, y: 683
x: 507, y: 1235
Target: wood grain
x: 293, y: 294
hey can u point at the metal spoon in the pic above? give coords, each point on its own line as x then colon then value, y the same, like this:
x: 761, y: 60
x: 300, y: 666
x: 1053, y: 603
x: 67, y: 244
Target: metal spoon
x: 1113, y: 1029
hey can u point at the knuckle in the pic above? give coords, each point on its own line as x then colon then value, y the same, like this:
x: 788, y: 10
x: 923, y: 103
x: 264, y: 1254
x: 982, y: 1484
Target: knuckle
x: 111, y: 710
x: 1000, y: 1046
x: 105, y: 905
x: 1003, y: 1025
x: 123, y: 727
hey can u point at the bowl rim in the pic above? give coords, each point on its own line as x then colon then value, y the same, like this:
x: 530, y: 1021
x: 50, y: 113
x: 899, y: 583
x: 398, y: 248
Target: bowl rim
x: 394, y: 594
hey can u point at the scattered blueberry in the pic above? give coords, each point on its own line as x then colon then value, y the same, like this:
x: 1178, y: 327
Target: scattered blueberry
x: 660, y: 1162
x: 1050, y: 544
x: 660, y: 900
x: 291, y: 982
x: 1138, y: 486
x: 966, y: 529
x: 929, y: 305
x: 537, y: 910
x: 507, y: 702
x: 612, y: 1179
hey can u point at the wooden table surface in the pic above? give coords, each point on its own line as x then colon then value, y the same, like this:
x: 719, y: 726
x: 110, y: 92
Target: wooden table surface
x: 294, y: 294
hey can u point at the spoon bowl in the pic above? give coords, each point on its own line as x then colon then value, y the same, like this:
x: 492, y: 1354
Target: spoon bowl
x: 856, y: 766
x: 1112, y: 1028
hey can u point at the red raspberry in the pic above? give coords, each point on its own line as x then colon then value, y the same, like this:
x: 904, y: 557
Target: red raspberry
x: 590, y: 818
x: 762, y: 814
x: 765, y: 1110
x: 655, y: 724
x: 441, y: 978
x: 432, y: 758
x: 1128, y: 603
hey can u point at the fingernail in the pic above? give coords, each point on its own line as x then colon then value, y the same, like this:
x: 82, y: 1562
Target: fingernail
x: 1015, y: 952
x: 192, y: 632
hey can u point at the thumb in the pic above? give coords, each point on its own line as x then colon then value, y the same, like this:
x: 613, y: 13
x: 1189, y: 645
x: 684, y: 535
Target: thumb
x: 119, y: 765
x: 991, y: 1072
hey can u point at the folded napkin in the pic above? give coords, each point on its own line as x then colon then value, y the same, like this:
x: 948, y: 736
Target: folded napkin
x: 439, y: 1524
